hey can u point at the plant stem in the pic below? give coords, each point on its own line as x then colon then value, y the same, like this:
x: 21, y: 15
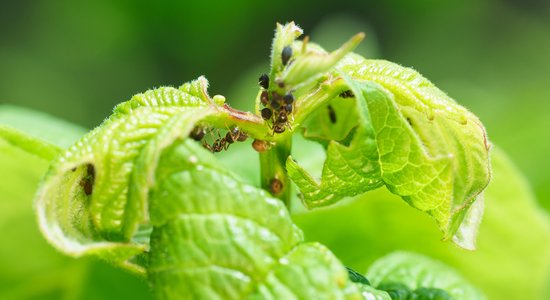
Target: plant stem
x: 273, y: 170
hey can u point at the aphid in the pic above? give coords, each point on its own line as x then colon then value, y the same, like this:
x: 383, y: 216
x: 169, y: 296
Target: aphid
x: 282, y: 117
x: 260, y: 146
x: 229, y: 137
x: 266, y: 113
x: 289, y: 98
x: 331, y: 114
x: 347, y: 94
x: 279, y: 128
x: 288, y: 108
x: 276, y: 101
x: 276, y: 186
x: 235, y: 134
x: 219, y: 145
x: 242, y: 136
x: 87, y: 182
x: 197, y: 133
x: 264, y: 98
x: 286, y: 54
x: 263, y: 81
x: 223, y: 143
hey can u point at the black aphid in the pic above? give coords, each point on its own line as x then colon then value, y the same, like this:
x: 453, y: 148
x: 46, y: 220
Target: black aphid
x: 197, y: 134
x: 264, y: 98
x: 331, y: 114
x: 347, y: 94
x: 289, y: 98
x: 263, y: 81
x: 286, y: 55
x: 282, y: 118
x: 288, y: 108
x: 279, y: 128
x: 267, y: 113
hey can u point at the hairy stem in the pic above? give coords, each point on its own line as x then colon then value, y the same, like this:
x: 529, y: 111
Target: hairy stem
x: 273, y: 172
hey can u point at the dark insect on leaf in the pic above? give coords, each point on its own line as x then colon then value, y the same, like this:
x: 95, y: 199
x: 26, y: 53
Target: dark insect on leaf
x: 347, y: 94
x: 279, y: 128
x: 288, y: 108
x: 242, y: 136
x: 286, y: 54
x: 87, y: 182
x: 260, y: 146
x: 197, y: 133
x: 263, y: 81
x: 331, y: 114
x: 289, y: 98
x: 276, y: 186
x: 282, y: 118
x: 235, y: 134
x: 266, y: 113
x: 264, y: 98
x: 275, y: 102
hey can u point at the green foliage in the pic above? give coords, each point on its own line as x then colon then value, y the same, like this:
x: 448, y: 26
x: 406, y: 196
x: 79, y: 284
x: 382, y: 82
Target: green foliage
x: 512, y: 259
x: 137, y: 192
x: 31, y: 268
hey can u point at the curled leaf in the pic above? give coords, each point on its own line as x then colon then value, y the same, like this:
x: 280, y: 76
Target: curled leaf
x: 412, y: 138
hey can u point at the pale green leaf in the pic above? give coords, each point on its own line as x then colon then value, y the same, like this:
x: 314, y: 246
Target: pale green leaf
x: 432, y: 152
x: 30, y: 144
x: 512, y: 259
x: 106, y: 217
x: 40, y: 126
x: 412, y: 138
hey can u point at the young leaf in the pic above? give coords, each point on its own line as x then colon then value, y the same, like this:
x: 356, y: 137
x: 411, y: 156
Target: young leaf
x: 513, y: 226
x: 421, y: 275
x: 165, y: 206
x: 433, y: 152
x: 412, y: 138
x: 85, y: 204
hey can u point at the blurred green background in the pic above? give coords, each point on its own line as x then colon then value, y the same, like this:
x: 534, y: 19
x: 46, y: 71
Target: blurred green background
x: 77, y: 60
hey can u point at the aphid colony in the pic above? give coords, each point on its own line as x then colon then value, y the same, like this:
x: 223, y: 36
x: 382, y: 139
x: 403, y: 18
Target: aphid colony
x: 277, y: 107
x: 220, y: 143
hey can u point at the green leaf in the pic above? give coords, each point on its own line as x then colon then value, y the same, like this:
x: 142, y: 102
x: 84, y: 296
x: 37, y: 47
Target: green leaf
x: 225, y: 247
x: 348, y: 170
x: 417, y: 271
x: 512, y: 259
x: 412, y: 138
x: 334, y: 121
x: 41, y: 126
x: 433, y: 152
x: 32, y: 145
x: 370, y: 293
x: 136, y: 192
x: 36, y: 133
x: 31, y: 268
x: 104, y: 217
